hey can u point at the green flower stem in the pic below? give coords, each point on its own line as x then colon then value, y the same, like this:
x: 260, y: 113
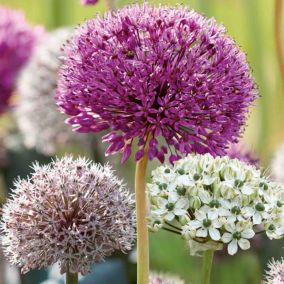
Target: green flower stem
x: 207, y: 265
x: 141, y: 214
x: 71, y: 278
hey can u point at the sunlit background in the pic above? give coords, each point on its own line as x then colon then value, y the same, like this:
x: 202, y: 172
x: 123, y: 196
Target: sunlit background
x: 251, y: 24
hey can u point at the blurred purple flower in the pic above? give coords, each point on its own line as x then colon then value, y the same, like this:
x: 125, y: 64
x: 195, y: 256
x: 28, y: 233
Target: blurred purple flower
x: 239, y: 151
x: 89, y: 2
x: 17, y: 40
x: 154, y: 72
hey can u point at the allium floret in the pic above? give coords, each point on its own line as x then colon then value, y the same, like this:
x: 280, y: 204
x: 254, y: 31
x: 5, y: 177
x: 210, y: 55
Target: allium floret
x: 37, y: 116
x: 275, y: 274
x: 164, y: 74
x: 89, y: 2
x: 17, y: 40
x: 213, y: 201
x: 159, y: 278
x: 71, y: 211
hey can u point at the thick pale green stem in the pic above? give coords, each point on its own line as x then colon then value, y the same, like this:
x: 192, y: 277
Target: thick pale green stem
x: 71, y: 278
x: 207, y: 265
x: 141, y: 214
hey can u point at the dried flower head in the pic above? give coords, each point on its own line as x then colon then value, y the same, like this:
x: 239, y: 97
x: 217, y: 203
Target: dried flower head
x: 215, y: 201
x: 275, y: 274
x: 71, y: 211
x: 89, y: 2
x: 156, y: 278
x: 17, y: 40
x: 39, y: 121
x: 277, y: 165
x: 160, y: 72
x: 239, y: 151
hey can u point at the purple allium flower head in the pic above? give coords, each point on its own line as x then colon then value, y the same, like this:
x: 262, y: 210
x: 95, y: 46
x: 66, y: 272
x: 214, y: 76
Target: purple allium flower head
x: 17, y: 40
x: 89, y: 2
x: 275, y: 274
x: 149, y: 72
x: 70, y: 211
x: 239, y: 151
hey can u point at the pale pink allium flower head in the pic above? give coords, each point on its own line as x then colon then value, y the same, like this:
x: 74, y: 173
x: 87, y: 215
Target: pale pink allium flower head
x: 157, y: 278
x: 275, y: 274
x: 71, y: 211
x: 163, y: 73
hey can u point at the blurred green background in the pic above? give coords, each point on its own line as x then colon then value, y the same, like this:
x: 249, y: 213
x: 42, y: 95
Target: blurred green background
x: 251, y: 24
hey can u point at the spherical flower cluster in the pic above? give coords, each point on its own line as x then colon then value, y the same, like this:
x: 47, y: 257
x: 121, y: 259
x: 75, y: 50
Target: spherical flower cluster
x: 71, y: 211
x: 146, y: 72
x: 215, y: 201
x: 275, y: 274
x: 89, y: 2
x: 17, y: 40
x: 277, y: 165
x: 239, y: 151
x: 156, y: 278
x: 39, y: 121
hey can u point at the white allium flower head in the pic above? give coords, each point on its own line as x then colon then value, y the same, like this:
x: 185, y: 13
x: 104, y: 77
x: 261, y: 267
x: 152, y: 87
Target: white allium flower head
x: 70, y: 211
x: 277, y: 165
x: 275, y: 272
x: 158, y: 278
x: 215, y: 200
x: 36, y: 113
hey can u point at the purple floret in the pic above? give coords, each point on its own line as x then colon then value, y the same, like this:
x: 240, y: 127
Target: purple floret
x: 89, y: 2
x: 148, y: 72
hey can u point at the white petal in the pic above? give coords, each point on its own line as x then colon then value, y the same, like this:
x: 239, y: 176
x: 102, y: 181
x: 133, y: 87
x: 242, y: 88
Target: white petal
x: 233, y: 247
x: 160, y: 211
x: 216, y: 223
x: 184, y: 180
x: 205, y: 196
x: 256, y: 218
x: 170, y: 216
x: 247, y: 190
x: 162, y: 202
x: 182, y: 203
x: 248, y: 211
x: 230, y: 227
x: 214, y: 234
x: 208, y: 180
x: 173, y: 197
x: 203, y: 233
x: 226, y: 238
x: 195, y: 224
x: 212, y: 214
x: 200, y: 215
x: 179, y: 212
x: 247, y: 234
x: 244, y: 244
